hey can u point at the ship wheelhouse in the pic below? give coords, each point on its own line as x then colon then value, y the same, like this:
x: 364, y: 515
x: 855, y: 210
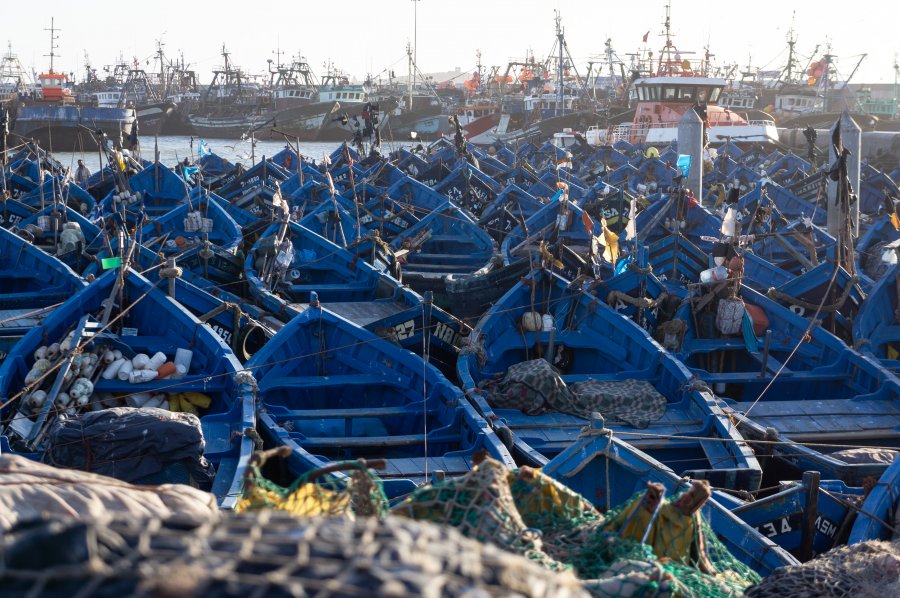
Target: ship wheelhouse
x: 688, y: 90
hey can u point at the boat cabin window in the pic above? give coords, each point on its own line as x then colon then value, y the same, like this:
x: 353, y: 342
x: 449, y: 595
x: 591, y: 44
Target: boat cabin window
x: 669, y: 93
x: 714, y: 94
x: 685, y: 93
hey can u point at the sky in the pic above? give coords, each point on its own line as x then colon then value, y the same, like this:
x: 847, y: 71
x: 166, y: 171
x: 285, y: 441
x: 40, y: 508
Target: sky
x: 370, y: 37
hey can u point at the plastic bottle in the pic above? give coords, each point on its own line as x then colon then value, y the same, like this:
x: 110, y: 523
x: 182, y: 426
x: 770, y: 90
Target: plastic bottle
x: 183, y: 358
x: 714, y: 274
x: 546, y: 322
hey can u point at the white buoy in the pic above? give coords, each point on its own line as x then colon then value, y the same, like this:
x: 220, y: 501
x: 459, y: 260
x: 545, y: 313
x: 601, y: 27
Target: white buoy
x: 157, y: 360
x: 112, y: 370
x: 125, y: 370
x: 141, y: 376
x: 183, y: 358
x: 140, y: 361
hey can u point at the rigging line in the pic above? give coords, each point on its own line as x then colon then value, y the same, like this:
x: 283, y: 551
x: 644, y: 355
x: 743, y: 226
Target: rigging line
x: 855, y: 507
x: 76, y: 349
x: 786, y: 442
x: 31, y: 313
x: 565, y: 296
x: 208, y: 378
x: 803, y: 338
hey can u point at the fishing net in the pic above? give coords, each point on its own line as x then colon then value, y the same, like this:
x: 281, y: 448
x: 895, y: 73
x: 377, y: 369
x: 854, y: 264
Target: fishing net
x: 645, y: 545
x: 869, y: 569
x: 262, y: 554
x: 536, y: 387
x: 319, y: 492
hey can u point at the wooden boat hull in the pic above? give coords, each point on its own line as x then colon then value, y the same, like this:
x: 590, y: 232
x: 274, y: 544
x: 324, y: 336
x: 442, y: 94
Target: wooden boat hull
x: 342, y: 393
x: 158, y: 323
x: 608, y: 471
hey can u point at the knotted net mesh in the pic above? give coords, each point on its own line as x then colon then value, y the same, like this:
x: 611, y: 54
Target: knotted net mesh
x: 643, y: 546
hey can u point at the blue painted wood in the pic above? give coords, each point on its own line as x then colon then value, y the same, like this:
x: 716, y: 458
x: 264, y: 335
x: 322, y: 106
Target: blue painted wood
x: 780, y: 516
x: 164, y: 325
x: 608, y: 471
x: 357, y: 290
x: 331, y: 391
x: 876, y: 518
x: 595, y: 342
x: 32, y: 283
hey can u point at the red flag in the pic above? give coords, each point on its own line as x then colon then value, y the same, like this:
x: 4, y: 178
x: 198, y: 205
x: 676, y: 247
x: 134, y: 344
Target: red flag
x: 646, y: 35
x: 587, y: 222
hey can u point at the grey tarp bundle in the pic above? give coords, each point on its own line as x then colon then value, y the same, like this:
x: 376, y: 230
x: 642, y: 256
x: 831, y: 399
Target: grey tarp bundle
x: 265, y: 553
x: 635, y: 402
x: 30, y: 490
x: 535, y: 387
x: 130, y: 444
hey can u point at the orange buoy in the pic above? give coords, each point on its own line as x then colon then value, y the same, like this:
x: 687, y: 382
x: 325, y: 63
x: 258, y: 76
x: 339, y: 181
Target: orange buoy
x: 758, y: 317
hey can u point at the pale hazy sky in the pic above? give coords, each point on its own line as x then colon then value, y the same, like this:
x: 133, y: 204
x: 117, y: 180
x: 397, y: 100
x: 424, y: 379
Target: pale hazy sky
x: 370, y: 36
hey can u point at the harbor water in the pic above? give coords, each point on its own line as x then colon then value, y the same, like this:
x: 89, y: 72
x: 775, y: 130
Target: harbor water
x: 176, y: 148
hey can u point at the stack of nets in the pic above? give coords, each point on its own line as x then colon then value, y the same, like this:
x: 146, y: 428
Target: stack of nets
x: 265, y: 553
x: 534, y: 387
x: 866, y: 570
x: 320, y: 492
x: 625, y: 551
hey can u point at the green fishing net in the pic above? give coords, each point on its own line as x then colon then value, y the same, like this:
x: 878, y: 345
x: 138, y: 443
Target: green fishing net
x: 626, y: 551
x: 319, y: 492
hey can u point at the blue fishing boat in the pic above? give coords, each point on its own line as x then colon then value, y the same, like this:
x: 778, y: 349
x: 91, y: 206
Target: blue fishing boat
x: 827, y: 292
x: 201, y: 238
x: 787, y: 380
x: 444, y: 242
x: 332, y: 391
x: 13, y: 211
x: 56, y: 189
x: 64, y: 233
x: 599, y: 358
x: 469, y: 187
x: 608, y: 471
x: 142, y: 323
x: 251, y: 224
x: 805, y: 517
x: 786, y: 204
x: 257, y: 185
x: 151, y: 193
x: 876, y: 519
x: 239, y: 322
x: 512, y: 206
x: 470, y: 296
x: 875, y: 252
x: 874, y: 187
x: 22, y: 174
x: 560, y: 226
x: 242, y: 326
x: 33, y: 285
x: 216, y: 171
x: 875, y: 329
x: 291, y: 263
x: 652, y: 175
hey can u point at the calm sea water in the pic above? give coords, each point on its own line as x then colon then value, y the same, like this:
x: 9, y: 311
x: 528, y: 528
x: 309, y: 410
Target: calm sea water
x: 173, y: 149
